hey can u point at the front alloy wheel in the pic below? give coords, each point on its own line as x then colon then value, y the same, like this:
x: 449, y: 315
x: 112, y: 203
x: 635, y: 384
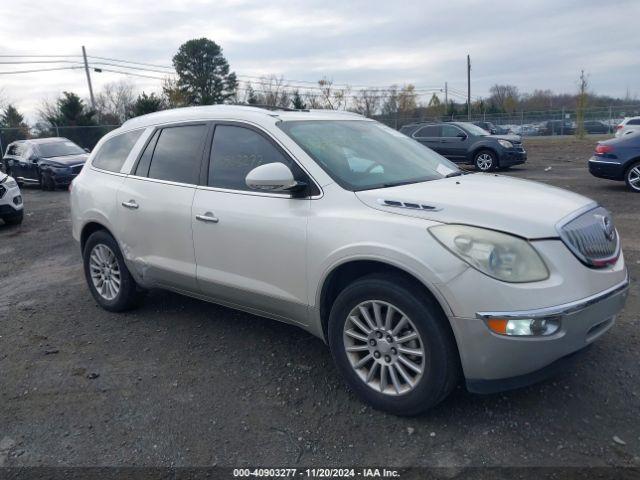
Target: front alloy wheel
x: 485, y: 161
x: 384, y: 347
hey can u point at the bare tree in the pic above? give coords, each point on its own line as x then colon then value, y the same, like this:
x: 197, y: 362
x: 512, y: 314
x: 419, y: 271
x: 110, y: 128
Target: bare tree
x: 275, y: 91
x: 504, y: 97
x: 367, y: 102
x: 583, y: 85
x: 115, y: 100
x: 333, y: 98
x: 390, y: 101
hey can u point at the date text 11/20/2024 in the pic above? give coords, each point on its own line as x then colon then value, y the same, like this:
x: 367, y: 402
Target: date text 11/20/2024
x: 316, y: 472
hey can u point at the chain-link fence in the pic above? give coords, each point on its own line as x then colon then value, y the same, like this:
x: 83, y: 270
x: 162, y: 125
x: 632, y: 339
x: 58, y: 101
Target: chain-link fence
x: 597, y: 120
x: 85, y: 136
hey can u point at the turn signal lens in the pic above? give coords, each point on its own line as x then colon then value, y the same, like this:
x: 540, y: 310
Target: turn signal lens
x: 527, y: 327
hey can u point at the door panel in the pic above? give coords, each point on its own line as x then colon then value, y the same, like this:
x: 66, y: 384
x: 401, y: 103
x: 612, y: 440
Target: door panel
x: 453, y: 146
x: 155, y: 231
x: 254, y: 256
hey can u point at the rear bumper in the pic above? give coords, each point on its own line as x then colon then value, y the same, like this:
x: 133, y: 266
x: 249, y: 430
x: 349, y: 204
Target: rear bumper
x: 493, y: 362
x: 606, y: 168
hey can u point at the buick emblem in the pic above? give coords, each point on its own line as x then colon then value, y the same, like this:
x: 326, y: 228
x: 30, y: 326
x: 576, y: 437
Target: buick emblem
x: 607, y: 227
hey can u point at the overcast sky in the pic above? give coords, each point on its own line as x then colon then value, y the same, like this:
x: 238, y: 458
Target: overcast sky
x: 535, y: 44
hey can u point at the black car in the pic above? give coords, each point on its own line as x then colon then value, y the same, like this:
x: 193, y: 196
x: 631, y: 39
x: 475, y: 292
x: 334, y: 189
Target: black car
x: 594, y: 126
x: 463, y: 142
x: 492, y: 128
x: 618, y: 159
x: 557, y: 127
x: 48, y: 162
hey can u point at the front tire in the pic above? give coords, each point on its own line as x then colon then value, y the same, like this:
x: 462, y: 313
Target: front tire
x: 485, y: 161
x: 107, y: 276
x: 47, y: 183
x: 632, y: 177
x: 393, y: 345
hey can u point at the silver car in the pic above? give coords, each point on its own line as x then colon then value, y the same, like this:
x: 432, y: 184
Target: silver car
x: 415, y: 274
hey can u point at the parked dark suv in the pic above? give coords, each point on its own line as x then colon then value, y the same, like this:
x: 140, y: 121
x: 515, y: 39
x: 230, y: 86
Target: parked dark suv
x: 618, y: 159
x: 463, y: 142
x: 48, y: 162
x: 557, y: 127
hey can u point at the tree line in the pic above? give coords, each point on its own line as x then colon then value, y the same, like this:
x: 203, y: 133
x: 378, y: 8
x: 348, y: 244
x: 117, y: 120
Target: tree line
x: 203, y: 77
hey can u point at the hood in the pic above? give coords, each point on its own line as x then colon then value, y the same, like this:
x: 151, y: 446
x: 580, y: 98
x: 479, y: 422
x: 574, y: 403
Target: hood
x: 521, y: 207
x: 68, y: 160
x: 511, y: 138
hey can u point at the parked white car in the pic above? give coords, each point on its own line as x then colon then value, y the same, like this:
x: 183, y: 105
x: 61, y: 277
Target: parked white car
x: 415, y: 273
x: 11, y: 206
x: 628, y: 125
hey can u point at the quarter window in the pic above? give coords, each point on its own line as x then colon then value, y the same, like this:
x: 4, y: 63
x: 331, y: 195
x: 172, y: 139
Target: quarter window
x: 238, y: 150
x: 115, y: 151
x: 178, y: 153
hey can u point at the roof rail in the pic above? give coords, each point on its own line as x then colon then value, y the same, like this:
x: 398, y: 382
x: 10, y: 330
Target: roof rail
x: 268, y: 107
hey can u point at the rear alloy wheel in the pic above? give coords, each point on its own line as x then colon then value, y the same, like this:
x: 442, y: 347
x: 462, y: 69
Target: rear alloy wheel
x: 485, y: 161
x: 632, y: 177
x: 107, y: 275
x: 392, y: 344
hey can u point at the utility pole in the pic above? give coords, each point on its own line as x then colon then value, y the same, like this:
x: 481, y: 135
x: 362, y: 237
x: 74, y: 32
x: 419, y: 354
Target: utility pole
x: 446, y: 98
x: 86, y: 70
x: 468, y: 88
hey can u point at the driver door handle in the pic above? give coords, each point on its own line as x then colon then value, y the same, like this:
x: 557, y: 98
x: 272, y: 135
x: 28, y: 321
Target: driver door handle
x: 207, y: 217
x: 131, y: 204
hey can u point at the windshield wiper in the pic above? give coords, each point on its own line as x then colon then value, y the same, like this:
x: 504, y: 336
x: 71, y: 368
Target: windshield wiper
x: 453, y: 174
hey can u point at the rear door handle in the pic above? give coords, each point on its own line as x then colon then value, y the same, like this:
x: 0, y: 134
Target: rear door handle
x: 207, y: 217
x: 131, y: 204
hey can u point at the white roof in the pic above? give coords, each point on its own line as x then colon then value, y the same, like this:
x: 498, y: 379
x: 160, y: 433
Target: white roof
x: 234, y: 112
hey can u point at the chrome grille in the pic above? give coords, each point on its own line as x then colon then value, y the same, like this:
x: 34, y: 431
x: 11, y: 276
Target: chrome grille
x: 592, y: 238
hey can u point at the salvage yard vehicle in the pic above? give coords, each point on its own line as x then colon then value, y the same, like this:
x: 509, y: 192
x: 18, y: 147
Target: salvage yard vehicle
x: 415, y: 273
x: 628, y: 125
x: 11, y: 206
x: 463, y: 142
x: 49, y: 162
x: 618, y: 159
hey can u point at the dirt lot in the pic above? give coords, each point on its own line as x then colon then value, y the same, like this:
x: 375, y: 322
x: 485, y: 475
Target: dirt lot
x: 180, y: 382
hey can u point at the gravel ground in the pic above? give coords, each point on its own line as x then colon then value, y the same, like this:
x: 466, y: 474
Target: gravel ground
x: 180, y: 382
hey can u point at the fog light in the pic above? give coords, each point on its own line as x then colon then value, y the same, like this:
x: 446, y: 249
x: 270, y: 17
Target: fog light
x: 525, y: 327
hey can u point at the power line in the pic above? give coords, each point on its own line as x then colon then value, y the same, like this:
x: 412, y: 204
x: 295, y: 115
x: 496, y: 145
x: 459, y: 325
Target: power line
x: 40, y: 70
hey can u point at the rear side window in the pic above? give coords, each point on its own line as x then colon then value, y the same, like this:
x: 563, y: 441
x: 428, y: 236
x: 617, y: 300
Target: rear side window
x: 178, y: 154
x: 428, y: 131
x: 115, y: 151
x: 238, y: 150
x: 635, y: 121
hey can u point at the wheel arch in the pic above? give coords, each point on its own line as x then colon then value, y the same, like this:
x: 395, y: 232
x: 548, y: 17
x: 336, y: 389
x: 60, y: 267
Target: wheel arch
x: 350, y: 270
x: 484, y: 147
x: 90, y: 228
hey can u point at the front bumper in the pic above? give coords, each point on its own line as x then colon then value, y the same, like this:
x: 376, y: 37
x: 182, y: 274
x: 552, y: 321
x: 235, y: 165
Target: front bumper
x: 493, y: 362
x: 512, y: 157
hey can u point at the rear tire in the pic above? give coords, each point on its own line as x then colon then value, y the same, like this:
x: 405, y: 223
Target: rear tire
x: 46, y: 182
x: 14, y: 219
x: 632, y: 177
x: 438, y: 363
x: 485, y: 161
x: 107, y: 275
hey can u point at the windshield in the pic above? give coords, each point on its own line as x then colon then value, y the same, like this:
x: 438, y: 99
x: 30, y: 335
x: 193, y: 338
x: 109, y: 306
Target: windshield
x: 362, y: 155
x: 59, y: 149
x: 474, y: 129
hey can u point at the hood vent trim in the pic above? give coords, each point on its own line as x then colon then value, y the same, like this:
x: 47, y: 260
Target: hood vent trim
x: 408, y: 205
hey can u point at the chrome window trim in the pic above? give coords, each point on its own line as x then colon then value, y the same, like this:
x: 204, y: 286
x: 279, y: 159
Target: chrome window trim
x: 108, y: 172
x: 561, y: 310
x: 165, y: 182
x: 595, y: 160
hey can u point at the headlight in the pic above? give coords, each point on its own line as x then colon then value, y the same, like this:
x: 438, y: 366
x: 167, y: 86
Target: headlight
x: 9, y: 182
x: 501, y: 256
x: 505, y: 143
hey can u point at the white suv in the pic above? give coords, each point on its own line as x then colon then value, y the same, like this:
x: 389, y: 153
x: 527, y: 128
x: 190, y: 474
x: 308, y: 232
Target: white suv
x: 11, y: 206
x: 413, y: 272
x: 628, y: 125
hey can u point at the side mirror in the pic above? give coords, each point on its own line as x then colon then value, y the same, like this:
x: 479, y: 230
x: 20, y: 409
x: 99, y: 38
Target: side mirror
x: 462, y: 135
x: 33, y: 158
x: 273, y: 177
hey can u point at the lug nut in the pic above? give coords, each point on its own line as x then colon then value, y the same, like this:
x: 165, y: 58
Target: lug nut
x: 379, y: 334
x: 394, y: 351
x: 389, y: 339
x: 387, y: 358
x: 372, y: 342
x: 376, y: 354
